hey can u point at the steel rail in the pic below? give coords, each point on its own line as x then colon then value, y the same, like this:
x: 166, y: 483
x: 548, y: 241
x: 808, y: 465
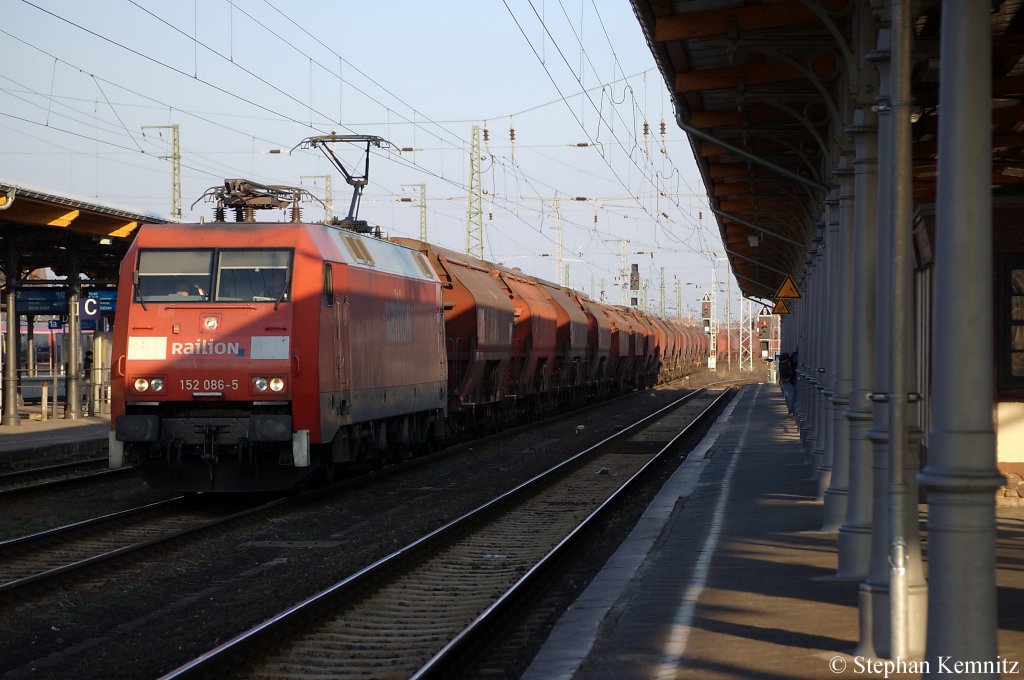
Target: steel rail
x: 475, y: 630
x: 42, y: 536
x: 269, y: 627
x: 100, y: 475
x: 46, y: 469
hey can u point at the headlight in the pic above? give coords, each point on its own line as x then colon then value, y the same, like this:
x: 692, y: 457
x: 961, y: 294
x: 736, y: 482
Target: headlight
x: 157, y: 384
x: 260, y: 384
x: 276, y: 384
x: 141, y: 384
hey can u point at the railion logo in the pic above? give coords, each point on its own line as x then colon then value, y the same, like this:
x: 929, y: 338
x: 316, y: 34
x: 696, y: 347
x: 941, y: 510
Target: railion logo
x: 207, y: 347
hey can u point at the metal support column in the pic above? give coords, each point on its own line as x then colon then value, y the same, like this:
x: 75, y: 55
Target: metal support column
x: 806, y: 383
x: 753, y: 346
x: 805, y: 387
x: 73, y: 379
x: 838, y: 489
x: 10, y: 402
x: 876, y: 602
x: 874, y: 591
x: 855, y: 533
x: 30, y: 346
x: 794, y: 336
x: 830, y: 289
x: 820, y: 331
x: 791, y: 341
x: 961, y: 474
x: 475, y: 209
x: 907, y: 587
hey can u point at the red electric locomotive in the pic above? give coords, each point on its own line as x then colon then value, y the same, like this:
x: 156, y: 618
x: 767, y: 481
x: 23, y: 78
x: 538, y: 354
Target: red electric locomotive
x: 247, y: 356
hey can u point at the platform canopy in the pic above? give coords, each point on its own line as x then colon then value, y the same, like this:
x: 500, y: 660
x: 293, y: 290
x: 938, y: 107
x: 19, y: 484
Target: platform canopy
x: 763, y: 90
x: 43, y: 225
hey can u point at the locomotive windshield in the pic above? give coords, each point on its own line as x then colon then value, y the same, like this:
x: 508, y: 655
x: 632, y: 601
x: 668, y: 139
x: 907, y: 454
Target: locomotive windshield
x: 174, y: 275
x: 253, y: 275
x: 222, y: 275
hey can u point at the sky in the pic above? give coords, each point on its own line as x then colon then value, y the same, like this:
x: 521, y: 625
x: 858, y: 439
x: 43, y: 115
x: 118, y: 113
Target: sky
x: 88, y: 91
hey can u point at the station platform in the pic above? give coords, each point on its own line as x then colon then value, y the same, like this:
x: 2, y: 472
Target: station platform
x: 727, y: 574
x: 41, y: 439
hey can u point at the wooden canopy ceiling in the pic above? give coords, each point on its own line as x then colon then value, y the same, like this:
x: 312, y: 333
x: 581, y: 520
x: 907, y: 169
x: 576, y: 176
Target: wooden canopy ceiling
x: 771, y: 80
x: 43, y: 226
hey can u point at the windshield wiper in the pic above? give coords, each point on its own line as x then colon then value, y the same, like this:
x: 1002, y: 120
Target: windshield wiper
x: 284, y: 289
x: 138, y: 290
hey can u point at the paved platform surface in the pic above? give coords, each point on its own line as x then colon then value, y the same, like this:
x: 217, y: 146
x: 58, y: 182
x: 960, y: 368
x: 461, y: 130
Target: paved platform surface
x: 60, y: 436
x: 728, y: 576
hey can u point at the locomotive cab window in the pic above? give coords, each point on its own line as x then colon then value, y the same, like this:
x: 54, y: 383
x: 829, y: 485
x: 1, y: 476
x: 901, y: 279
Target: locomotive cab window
x: 173, y: 276
x: 254, y: 276
x: 328, y: 285
x: 1010, y: 325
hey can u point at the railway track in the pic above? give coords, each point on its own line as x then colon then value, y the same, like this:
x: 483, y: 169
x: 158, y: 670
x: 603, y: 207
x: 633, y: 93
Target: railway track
x: 36, y: 479
x: 40, y: 559
x: 415, y: 612
x: 66, y: 551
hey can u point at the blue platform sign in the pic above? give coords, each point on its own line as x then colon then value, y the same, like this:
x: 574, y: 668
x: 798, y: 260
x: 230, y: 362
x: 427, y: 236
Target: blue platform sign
x: 88, y: 313
x: 107, y: 300
x: 41, y: 300
x: 55, y: 324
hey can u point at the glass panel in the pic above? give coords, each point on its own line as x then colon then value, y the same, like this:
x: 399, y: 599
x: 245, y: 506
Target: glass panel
x: 253, y: 275
x: 1017, y: 281
x: 1017, y: 364
x: 254, y: 258
x: 1017, y: 338
x: 1010, y: 298
x: 174, y: 275
x: 1017, y: 307
x: 328, y: 284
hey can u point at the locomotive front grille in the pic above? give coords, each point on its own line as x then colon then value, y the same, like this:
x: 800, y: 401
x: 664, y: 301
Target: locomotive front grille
x: 191, y: 425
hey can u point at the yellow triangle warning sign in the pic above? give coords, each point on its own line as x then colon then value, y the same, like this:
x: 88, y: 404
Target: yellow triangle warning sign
x: 787, y: 290
x: 780, y: 307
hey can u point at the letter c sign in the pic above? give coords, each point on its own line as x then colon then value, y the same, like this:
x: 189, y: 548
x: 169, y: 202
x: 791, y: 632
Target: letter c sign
x: 89, y: 309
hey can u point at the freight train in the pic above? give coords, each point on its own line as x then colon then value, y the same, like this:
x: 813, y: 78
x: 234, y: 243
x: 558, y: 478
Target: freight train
x: 267, y: 353
x: 729, y: 348
x: 258, y: 356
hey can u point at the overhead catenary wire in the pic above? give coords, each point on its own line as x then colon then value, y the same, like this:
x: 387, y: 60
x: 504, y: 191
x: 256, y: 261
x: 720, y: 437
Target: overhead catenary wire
x: 219, y: 55
x: 517, y: 171
x: 656, y: 218
x: 278, y: 115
